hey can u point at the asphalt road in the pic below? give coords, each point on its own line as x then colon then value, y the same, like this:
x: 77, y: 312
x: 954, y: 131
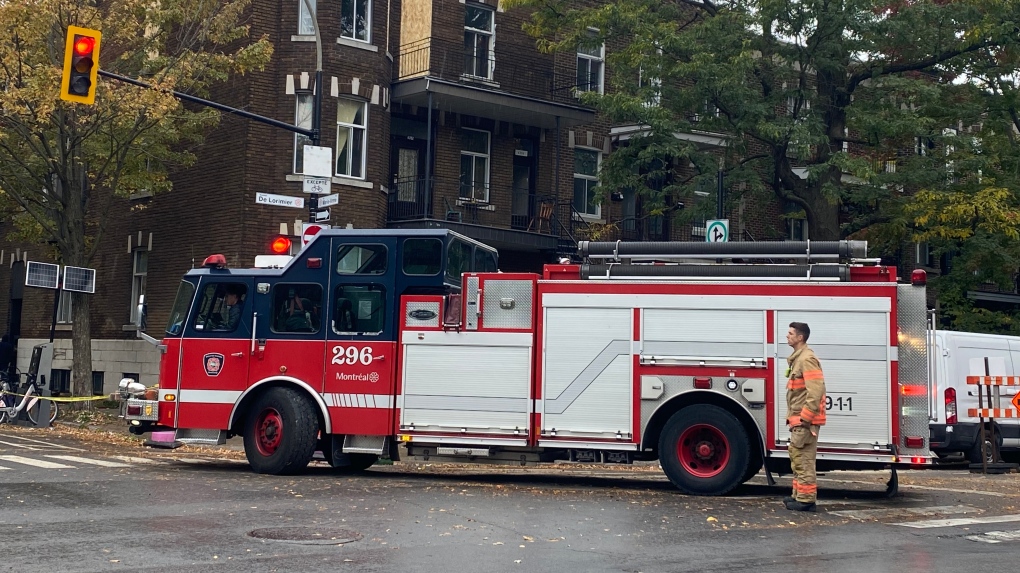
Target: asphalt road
x: 70, y: 505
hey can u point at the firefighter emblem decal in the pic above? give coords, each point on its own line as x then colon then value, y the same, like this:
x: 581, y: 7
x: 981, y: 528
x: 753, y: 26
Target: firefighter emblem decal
x: 422, y: 314
x: 213, y: 363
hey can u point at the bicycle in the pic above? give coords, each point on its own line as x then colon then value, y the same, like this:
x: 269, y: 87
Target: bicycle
x: 30, y: 401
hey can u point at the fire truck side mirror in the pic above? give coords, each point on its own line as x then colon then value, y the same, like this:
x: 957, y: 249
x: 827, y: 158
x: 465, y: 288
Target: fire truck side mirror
x: 452, y: 311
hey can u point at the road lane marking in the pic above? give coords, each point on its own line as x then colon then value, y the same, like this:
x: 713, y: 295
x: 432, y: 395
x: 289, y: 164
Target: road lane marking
x: 37, y: 463
x: 879, y: 513
x: 996, y: 536
x: 931, y: 523
x: 19, y: 446
x: 136, y: 460
x: 103, y: 463
x: 38, y: 442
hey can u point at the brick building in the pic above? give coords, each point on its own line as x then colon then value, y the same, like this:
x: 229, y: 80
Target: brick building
x: 439, y: 113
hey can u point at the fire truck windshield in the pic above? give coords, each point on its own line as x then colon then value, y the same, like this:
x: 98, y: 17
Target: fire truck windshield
x: 179, y: 312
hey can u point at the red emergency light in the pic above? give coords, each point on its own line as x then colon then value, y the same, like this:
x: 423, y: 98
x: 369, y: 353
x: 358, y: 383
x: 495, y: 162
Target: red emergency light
x: 215, y: 262
x: 280, y: 245
x: 919, y: 277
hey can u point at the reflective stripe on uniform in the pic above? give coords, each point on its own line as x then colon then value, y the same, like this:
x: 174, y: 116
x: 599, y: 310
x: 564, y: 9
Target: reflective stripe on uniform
x: 795, y: 384
x: 813, y: 375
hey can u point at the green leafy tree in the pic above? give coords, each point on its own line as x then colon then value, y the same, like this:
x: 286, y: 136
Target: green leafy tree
x: 823, y: 103
x: 61, y: 163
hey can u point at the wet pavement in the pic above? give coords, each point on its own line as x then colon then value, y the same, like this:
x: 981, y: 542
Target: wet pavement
x: 71, y: 504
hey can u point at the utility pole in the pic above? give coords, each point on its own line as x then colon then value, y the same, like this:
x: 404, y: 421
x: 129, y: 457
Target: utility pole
x: 720, y: 192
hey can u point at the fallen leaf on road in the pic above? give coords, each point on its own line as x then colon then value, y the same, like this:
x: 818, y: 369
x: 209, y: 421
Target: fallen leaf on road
x: 711, y: 519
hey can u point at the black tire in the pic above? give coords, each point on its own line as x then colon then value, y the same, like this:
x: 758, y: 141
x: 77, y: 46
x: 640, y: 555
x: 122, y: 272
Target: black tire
x: 704, y: 450
x: 33, y: 412
x: 358, y: 462
x: 280, y: 432
x: 974, y: 454
x: 753, y: 466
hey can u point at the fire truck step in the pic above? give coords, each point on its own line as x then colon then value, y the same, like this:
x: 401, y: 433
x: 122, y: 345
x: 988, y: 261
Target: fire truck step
x: 202, y: 437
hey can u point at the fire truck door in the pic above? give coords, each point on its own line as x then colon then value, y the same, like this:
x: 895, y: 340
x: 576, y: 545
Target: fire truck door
x: 215, y: 352
x: 361, y: 335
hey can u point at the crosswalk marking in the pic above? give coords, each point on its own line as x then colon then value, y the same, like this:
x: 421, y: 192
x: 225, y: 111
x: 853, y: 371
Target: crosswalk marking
x: 927, y: 524
x: 103, y: 463
x: 996, y: 536
x: 37, y: 463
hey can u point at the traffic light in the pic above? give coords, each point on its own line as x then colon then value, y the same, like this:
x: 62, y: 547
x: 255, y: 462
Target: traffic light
x: 280, y: 245
x: 81, y: 64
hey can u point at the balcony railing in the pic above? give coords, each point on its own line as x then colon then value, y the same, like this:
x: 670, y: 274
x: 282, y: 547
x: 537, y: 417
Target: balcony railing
x: 473, y: 66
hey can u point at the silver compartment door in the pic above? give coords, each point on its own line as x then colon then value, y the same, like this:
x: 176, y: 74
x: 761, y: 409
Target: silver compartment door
x: 853, y: 348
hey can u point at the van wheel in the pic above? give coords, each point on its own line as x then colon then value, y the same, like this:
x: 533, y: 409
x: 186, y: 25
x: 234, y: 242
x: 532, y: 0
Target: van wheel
x: 280, y: 432
x: 979, y: 450
x: 704, y: 450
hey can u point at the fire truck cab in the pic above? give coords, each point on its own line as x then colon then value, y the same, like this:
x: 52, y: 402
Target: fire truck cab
x: 410, y: 343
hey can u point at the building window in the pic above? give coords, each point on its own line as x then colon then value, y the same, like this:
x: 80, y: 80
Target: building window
x: 923, y: 255
x: 64, y: 308
x: 355, y: 19
x: 98, y: 379
x: 474, y: 165
x: 590, y: 68
x: 139, y: 272
x: 479, y: 37
x: 586, y: 179
x: 306, y: 18
x: 651, y: 85
x: 60, y: 381
x: 351, y: 120
x: 302, y: 118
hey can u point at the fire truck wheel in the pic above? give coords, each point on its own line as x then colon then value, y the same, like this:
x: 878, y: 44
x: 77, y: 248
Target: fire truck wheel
x: 704, y: 450
x: 280, y: 432
x: 361, y: 462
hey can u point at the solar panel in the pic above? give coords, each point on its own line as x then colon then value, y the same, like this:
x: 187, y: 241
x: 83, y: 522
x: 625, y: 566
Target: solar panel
x: 80, y: 279
x: 43, y: 275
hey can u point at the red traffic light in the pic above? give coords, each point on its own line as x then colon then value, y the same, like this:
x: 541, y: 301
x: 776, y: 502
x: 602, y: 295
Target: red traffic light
x: 83, y: 45
x: 81, y: 65
x: 280, y: 245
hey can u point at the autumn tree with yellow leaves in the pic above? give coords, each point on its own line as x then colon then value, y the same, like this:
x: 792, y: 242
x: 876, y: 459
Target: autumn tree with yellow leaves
x: 62, y: 164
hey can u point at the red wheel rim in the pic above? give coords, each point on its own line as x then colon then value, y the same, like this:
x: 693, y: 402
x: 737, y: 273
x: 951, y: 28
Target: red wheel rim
x: 703, y: 451
x: 268, y: 431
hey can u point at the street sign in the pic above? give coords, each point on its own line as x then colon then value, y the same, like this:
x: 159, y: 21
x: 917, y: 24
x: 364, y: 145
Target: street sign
x: 322, y: 215
x: 717, y: 230
x: 316, y: 185
x: 309, y: 230
x: 1016, y: 401
x: 279, y: 200
x: 329, y: 200
x: 318, y: 161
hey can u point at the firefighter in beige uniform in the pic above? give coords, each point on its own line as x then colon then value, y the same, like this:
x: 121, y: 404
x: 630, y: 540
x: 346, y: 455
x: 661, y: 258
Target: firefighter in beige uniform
x: 805, y: 414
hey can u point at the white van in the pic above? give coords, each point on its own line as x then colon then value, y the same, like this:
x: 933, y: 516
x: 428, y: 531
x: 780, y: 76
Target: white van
x: 962, y: 354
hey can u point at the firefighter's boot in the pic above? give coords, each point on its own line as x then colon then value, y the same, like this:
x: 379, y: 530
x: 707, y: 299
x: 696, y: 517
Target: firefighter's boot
x: 794, y: 505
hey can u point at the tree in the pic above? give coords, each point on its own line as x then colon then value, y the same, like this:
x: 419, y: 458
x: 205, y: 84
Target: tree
x: 818, y: 99
x: 63, y: 164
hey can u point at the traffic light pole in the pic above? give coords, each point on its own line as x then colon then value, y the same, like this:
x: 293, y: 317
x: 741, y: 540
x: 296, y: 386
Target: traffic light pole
x: 313, y: 199
x: 207, y: 103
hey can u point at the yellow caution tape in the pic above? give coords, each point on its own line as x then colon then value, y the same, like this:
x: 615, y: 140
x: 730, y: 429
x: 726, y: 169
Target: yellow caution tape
x: 58, y: 398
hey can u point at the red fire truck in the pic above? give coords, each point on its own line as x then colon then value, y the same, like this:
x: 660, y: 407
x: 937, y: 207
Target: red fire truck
x: 409, y: 344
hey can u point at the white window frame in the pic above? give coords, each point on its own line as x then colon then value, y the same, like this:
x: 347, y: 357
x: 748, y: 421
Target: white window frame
x: 303, y: 120
x: 491, y: 34
x: 352, y: 130
x: 592, y: 178
x: 368, y: 22
x: 488, y: 167
x: 652, y: 81
x: 64, y: 308
x: 306, y: 19
x: 588, y: 59
x: 139, y: 278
